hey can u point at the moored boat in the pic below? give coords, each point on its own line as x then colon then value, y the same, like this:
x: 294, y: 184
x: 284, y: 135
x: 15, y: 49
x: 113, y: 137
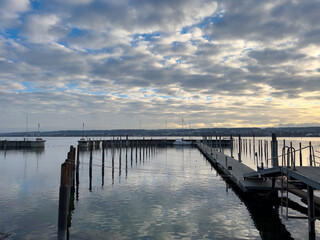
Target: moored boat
x: 83, y: 143
x: 181, y: 142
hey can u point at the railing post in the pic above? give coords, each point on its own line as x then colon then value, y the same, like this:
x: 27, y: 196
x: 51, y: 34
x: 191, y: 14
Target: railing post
x: 300, y: 154
x: 274, y: 145
x: 239, y: 154
x: 231, y: 145
x: 310, y: 154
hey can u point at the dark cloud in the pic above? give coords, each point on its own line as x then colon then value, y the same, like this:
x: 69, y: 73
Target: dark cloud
x: 274, y: 57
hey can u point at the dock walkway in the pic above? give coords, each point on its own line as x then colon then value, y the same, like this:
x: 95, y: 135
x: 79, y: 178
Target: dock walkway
x: 235, y: 170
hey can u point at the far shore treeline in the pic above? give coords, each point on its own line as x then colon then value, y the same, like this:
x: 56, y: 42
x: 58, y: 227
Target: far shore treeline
x: 258, y: 132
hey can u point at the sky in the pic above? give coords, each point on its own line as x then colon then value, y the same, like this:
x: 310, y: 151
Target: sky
x: 156, y: 64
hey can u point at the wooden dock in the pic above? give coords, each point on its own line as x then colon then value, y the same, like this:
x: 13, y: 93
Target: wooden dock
x: 21, y: 144
x: 309, y: 176
x: 263, y: 180
x: 161, y: 142
x: 146, y: 142
x: 235, y: 170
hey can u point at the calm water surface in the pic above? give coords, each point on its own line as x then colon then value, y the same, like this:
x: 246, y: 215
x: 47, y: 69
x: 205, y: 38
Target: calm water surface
x: 170, y: 193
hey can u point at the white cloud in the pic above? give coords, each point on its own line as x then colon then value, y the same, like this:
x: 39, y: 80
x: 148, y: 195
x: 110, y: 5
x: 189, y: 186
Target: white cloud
x: 10, y: 11
x: 43, y: 28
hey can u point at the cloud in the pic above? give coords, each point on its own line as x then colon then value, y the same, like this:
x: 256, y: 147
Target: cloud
x: 43, y: 28
x: 117, y: 62
x: 10, y: 11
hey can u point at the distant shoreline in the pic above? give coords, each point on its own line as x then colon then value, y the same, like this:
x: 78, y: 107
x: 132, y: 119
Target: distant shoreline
x: 258, y: 132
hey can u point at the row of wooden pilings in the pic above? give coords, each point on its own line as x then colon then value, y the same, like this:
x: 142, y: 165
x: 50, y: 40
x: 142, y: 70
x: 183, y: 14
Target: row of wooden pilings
x: 69, y: 180
x: 217, y: 145
x: 261, y: 149
x: 66, y: 192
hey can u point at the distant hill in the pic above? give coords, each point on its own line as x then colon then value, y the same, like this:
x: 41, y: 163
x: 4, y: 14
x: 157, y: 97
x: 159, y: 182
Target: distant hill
x: 281, y: 132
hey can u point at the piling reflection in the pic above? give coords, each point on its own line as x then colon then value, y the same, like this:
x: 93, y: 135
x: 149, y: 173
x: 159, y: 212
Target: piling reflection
x: 102, y: 167
x: 90, y: 168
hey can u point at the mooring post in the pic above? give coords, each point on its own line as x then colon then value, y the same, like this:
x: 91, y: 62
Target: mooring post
x: 239, y: 154
x: 310, y: 154
x: 226, y: 162
x: 254, y: 144
x: 274, y: 152
x: 64, y: 197
x: 220, y: 143
x: 140, y: 148
x: 77, y: 173
x: 311, y: 213
x: 216, y: 142
x: 71, y: 159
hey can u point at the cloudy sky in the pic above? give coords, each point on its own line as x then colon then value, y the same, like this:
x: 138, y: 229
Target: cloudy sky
x: 118, y: 63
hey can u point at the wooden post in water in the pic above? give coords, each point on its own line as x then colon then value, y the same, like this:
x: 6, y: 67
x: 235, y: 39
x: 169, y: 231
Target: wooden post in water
x: 77, y: 173
x: 64, y: 197
x: 274, y: 145
x: 66, y: 185
x: 131, y: 144
x: 254, y: 144
x: 139, y: 149
x: 216, y: 142
x: 239, y: 154
x: 220, y: 143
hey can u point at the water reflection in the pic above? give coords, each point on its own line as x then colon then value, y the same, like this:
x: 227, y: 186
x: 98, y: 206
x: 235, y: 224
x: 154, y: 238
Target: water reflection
x: 30, y: 152
x: 264, y: 213
x: 167, y: 197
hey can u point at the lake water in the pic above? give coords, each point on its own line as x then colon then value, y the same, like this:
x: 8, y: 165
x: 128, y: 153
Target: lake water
x: 170, y: 193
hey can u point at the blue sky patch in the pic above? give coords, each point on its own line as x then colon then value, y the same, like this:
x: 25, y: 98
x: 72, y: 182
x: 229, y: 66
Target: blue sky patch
x: 35, y: 5
x: 12, y: 33
x: 146, y: 37
x: 75, y: 32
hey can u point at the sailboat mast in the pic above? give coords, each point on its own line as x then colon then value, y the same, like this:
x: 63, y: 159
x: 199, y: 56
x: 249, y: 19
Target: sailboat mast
x: 27, y: 125
x: 83, y: 129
